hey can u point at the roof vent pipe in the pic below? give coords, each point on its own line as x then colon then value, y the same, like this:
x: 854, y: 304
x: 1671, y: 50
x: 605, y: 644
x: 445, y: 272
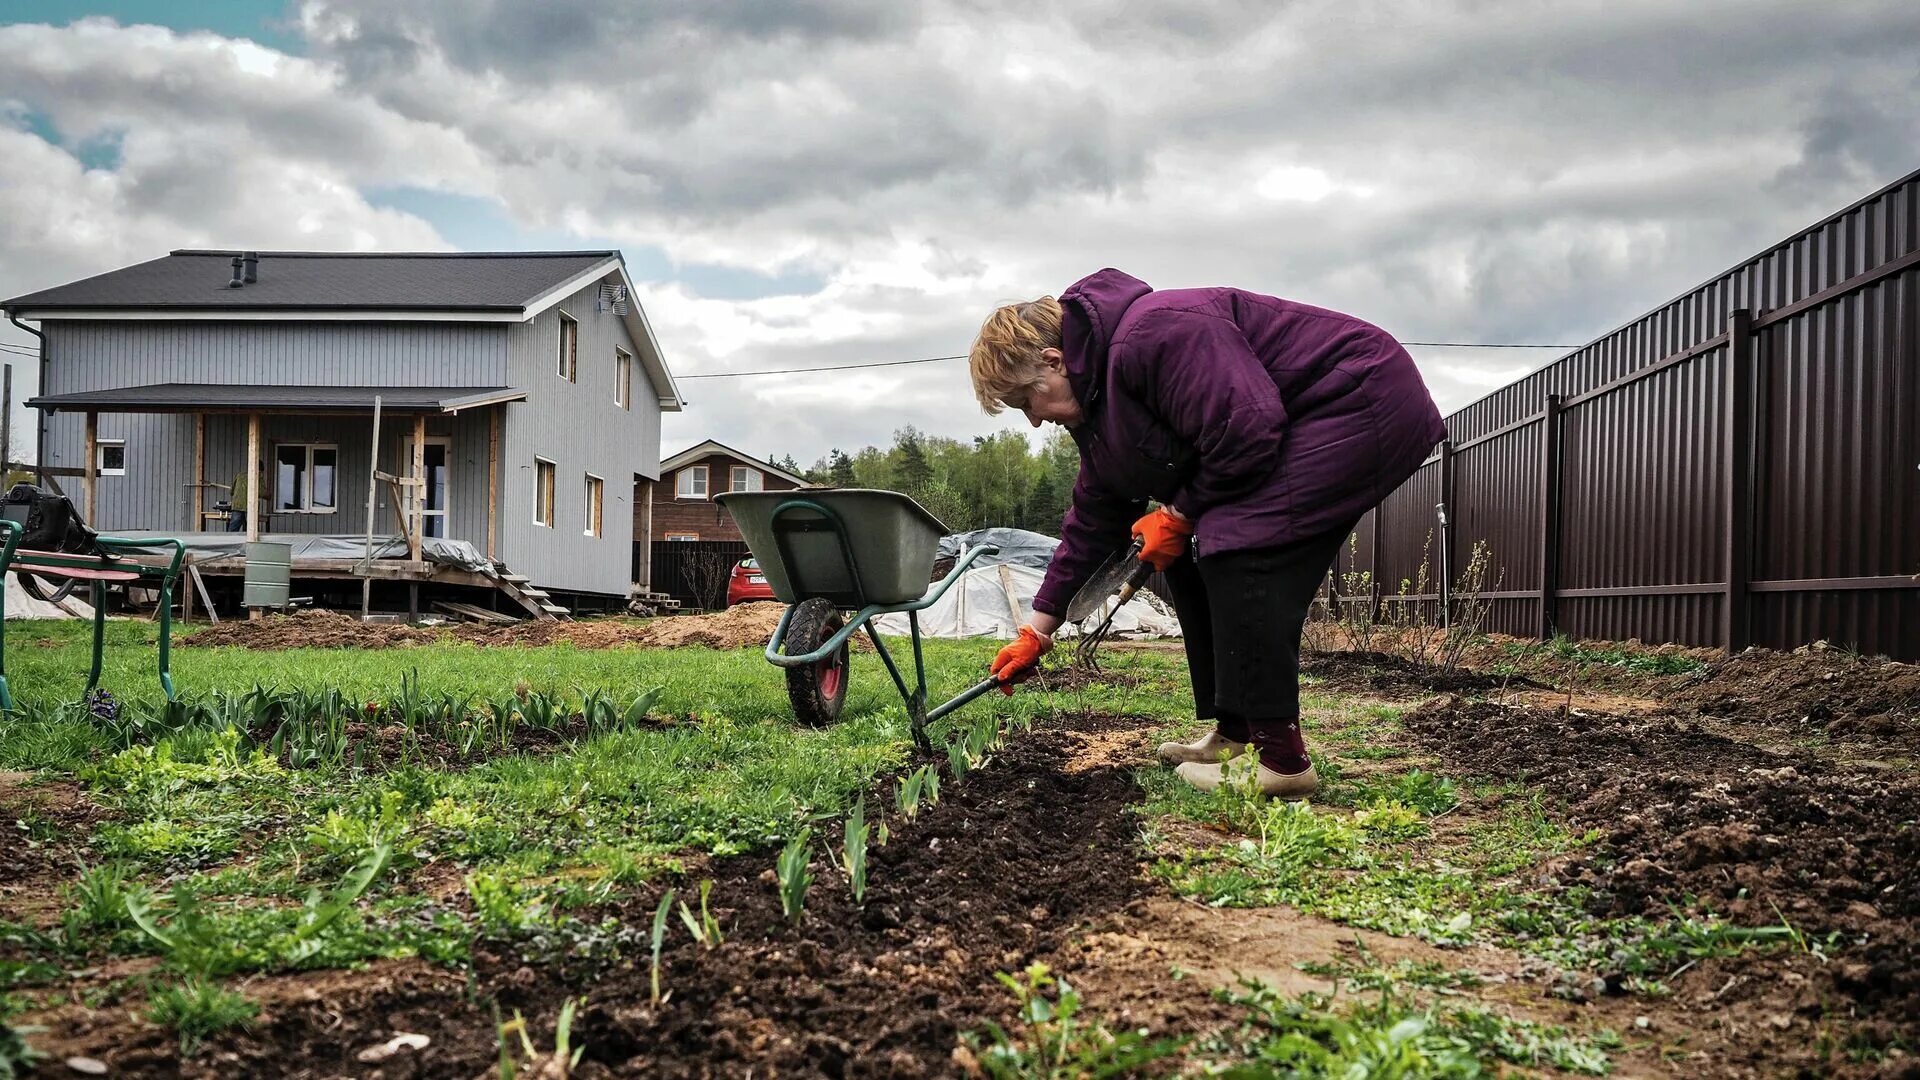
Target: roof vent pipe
x: 253, y: 267
x: 237, y: 279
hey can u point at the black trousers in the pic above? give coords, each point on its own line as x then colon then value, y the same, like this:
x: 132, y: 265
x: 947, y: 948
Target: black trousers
x: 1241, y: 614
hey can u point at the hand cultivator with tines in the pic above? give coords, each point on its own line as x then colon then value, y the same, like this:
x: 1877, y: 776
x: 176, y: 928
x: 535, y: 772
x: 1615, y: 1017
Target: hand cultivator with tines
x: 1119, y: 579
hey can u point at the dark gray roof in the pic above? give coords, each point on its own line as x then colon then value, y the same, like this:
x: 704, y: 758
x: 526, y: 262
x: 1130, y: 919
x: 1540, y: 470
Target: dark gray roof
x: 210, y: 397
x: 317, y: 280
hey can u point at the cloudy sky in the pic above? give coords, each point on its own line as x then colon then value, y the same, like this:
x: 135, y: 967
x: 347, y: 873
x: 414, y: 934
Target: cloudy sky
x: 807, y: 182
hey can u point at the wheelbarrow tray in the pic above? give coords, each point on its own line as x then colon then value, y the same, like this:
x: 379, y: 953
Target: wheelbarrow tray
x: 890, y: 543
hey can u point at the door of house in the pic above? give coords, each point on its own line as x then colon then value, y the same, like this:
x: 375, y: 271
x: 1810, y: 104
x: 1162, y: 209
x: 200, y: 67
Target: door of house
x: 439, y: 462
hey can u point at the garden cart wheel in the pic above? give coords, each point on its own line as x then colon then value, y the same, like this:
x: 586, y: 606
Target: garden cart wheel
x: 817, y: 690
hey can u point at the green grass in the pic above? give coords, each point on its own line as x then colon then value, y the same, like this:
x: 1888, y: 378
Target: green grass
x: 217, y: 840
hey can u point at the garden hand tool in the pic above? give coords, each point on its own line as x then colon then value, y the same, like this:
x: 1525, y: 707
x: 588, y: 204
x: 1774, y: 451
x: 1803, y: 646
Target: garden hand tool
x: 1121, y: 577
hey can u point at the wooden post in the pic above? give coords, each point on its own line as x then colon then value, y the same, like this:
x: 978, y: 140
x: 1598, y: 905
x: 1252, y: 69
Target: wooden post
x: 1550, y: 423
x: 417, y: 493
x: 198, y: 501
x: 6, y: 423
x: 373, y: 478
x: 90, y: 473
x: 1446, y: 533
x: 493, y: 482
x: 1736, y: 615
x: 253, y: 478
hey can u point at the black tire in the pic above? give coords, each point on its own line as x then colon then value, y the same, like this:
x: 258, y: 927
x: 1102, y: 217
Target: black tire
x: 817, y: 691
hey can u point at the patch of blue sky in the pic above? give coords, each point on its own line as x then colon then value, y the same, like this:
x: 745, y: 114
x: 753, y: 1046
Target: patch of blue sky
x: 477, y: 223
x: 268, y: 22
x: 99, y: 151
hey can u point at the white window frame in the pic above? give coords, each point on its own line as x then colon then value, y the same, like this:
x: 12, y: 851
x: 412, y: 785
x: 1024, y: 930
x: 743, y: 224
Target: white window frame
x: 543, y: 507
x: 306, y: 496
x: 569, y: 348
x: 622, y: 378
x: 595, y: 505
x: 684, y: 491
x: 681, y: 537
x: 100, y: 457
x: 754, y: 479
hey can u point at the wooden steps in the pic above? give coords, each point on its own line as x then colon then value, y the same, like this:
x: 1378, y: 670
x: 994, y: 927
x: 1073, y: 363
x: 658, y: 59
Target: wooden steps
x: 538, y: 602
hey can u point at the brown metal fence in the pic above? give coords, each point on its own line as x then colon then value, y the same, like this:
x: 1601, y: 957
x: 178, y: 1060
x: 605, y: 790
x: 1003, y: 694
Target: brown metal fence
x: 693, y: 572
x: 1740, y: 466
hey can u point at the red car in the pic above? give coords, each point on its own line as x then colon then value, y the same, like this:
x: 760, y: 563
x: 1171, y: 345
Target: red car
x: 747, y: 584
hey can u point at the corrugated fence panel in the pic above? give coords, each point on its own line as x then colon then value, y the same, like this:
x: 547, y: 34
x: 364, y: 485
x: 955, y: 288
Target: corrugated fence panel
x: 1496, y: 500
x: 1643, y: 484
x: 1409, y: 534
x: 1686, y: 620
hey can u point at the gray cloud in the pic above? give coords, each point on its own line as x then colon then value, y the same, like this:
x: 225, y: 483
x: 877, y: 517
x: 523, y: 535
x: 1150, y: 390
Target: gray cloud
x: 1464, y: 170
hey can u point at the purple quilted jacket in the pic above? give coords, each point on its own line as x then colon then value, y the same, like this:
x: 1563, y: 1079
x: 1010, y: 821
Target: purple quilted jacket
x: 1266, y: 421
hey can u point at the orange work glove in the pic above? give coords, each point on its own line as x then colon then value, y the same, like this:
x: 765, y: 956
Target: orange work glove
x: 1020, y: 659
x: 1163, y: 536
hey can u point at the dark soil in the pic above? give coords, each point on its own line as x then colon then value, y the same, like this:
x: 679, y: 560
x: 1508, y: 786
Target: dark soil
x: 994, y: 876
x: 46, y: 824
x: 1694, y: 821
x: 1813, y: 688
x: 1383, y: 674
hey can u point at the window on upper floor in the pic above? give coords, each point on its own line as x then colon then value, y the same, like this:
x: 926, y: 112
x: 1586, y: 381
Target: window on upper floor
x: 691, y: 483
x: 746, y: 479
x: 623, y: 378
x: 569, y: 348
x: 303, y: 478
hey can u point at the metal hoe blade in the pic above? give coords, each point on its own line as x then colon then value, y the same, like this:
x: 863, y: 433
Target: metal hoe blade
x: 1109, y: 579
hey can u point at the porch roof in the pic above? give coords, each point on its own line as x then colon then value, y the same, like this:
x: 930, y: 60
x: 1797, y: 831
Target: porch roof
x: 226, y: 397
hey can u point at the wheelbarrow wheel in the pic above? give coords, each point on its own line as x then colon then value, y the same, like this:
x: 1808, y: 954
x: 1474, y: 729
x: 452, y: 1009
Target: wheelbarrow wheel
x: 818, y: 690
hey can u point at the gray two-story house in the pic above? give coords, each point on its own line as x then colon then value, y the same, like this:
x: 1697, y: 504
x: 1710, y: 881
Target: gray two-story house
x: 224, y: 396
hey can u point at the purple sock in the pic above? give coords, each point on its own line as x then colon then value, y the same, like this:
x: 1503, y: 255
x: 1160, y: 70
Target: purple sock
x: 1232, y: 728
x: 1282, y: 748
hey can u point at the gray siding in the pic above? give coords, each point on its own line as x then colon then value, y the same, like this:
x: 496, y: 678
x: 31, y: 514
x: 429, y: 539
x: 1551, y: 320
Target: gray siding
x: 99, y: 355
x: 579, y: 428
x: 575, y: 425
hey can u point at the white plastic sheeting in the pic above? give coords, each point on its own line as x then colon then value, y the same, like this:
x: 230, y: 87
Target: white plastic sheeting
x: 993, y: 601
x: 22, y: 605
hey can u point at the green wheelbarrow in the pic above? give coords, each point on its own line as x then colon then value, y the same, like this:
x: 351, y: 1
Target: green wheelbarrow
x: 832, y: 551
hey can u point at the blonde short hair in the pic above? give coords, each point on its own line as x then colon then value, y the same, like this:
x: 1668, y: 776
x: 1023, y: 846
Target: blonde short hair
x: 1005, y: 358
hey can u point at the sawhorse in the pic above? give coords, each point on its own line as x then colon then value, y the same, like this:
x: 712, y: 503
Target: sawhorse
x: 100, y: 570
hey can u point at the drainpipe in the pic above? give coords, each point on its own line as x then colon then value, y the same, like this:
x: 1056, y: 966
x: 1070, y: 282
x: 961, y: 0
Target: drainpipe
x: 40, y: 417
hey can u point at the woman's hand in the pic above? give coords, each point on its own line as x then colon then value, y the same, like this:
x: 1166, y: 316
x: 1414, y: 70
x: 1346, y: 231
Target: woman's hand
x: 1163, y: 534
x: 1021, y: 658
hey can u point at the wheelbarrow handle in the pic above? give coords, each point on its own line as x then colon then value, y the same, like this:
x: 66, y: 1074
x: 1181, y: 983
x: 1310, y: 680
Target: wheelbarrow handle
x: 977, y: 690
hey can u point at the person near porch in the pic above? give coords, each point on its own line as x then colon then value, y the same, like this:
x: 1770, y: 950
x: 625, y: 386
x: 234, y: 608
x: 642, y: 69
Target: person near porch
x: 1240, y: 437
x: 237, y: 499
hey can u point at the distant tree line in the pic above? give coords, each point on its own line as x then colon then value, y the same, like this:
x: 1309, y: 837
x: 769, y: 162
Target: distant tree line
x: 987, y: 481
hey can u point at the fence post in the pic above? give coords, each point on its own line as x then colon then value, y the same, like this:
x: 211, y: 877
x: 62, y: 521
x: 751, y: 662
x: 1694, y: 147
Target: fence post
x: 1373, y: 612
x: 1445, y: 510
x: 1736, y: 622
x: 1549, y: 513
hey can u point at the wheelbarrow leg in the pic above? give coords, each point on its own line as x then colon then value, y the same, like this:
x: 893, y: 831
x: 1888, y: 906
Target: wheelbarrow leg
x: 916, y: 699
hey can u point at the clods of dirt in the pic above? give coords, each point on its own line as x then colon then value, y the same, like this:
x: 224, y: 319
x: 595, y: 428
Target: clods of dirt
x: 46, y: 822
x: 745, y: 626
x: 310, y: 630
x: 1384, y: 674
x: 1694, y: 821
x: 1835, y: 691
